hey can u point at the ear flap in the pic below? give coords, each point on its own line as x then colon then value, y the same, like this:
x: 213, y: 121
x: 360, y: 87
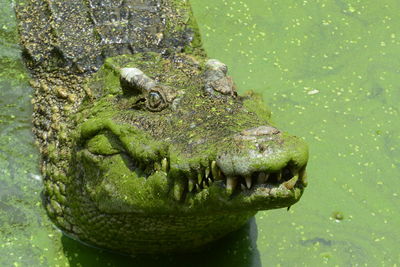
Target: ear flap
x: 217, y: 80
x: 135, y: 82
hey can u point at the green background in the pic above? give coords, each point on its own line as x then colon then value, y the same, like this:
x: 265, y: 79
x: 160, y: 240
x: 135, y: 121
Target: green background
x: 330, y: 72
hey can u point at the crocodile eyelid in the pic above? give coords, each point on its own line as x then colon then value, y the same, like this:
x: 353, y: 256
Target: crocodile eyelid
x: 134, y: 81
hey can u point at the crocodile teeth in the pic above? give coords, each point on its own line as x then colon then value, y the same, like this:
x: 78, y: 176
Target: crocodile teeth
x: 164, y: 165
x: 199, y: 178
x: 191, y: 185
x: 231, y: 183
x: 262, y: 178
x: 291, y: 183
x: 248, y: 181
x: 207, y: 172
x: 178, y: 191
x: 205, y: 178
x: 215, y: 171
x: 273, y: 191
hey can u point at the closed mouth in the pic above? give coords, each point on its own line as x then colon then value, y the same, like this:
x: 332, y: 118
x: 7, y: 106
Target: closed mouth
x: 268, y: 182
x: 208, y: 178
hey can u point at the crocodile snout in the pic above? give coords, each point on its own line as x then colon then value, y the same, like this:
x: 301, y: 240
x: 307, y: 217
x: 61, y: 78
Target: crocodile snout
x: 264, y: 156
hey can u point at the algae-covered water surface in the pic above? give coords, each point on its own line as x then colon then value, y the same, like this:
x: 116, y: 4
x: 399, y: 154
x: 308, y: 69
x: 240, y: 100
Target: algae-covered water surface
x: 329, y: 71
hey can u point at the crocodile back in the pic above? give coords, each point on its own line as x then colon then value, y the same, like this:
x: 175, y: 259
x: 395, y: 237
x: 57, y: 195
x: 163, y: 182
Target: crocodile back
x: 80, y: 34
x: 64, y: 42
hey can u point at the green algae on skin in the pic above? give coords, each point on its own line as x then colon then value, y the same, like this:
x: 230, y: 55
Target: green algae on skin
x: 155, y: 143
x: 282, y: 50
x: 114, y: 159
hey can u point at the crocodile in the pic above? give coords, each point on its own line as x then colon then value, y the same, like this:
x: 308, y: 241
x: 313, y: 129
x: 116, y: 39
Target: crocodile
x: 146, y: 145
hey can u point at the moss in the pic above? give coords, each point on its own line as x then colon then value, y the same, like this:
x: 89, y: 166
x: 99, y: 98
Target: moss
x: 254, y: 103
x: 190, y: 136
x: 119, y: 179
x: 103, y: 144
x: 112, y: 154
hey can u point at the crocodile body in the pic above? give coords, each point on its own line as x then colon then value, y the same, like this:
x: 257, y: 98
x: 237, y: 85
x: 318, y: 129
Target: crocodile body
x: 146, y: 146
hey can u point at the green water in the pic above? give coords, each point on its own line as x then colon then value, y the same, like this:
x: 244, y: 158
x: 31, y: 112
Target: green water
x: 329, y: 70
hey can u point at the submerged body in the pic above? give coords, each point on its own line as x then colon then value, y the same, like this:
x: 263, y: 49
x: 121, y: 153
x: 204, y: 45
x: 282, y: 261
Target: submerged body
x: 146, y: 146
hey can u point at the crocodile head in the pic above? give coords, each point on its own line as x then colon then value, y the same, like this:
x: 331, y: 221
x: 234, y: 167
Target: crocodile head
x: 170, y: 138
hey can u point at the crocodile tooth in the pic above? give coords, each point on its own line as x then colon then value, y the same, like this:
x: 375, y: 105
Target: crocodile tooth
x: 199, y: 178
x: 266, y: 190
x: 215, y: 171
x: 207, y: 172
x: 191, y: 184
x: 291, y: 183
x: 231, y: 183
x: 279, y: 176
x: 209, y: 181
x: 178, y: 191
x: 248, y: 180
x: 273, y: 191
x: 220, y: 175
x: 262, y: 178
x: 242, y: 187
x: 164, y: 164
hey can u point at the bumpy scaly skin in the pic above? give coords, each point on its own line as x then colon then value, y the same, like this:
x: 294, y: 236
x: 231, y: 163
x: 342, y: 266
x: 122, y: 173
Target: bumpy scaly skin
x: 154, y: 151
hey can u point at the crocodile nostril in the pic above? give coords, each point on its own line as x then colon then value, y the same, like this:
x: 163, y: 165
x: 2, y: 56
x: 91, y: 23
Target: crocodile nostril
x: 261, y: 130
x: 262, y: 148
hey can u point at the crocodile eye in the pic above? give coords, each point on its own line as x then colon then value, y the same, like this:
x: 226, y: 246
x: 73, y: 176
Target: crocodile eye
x: 159, y: 98
x: 155, y: 100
